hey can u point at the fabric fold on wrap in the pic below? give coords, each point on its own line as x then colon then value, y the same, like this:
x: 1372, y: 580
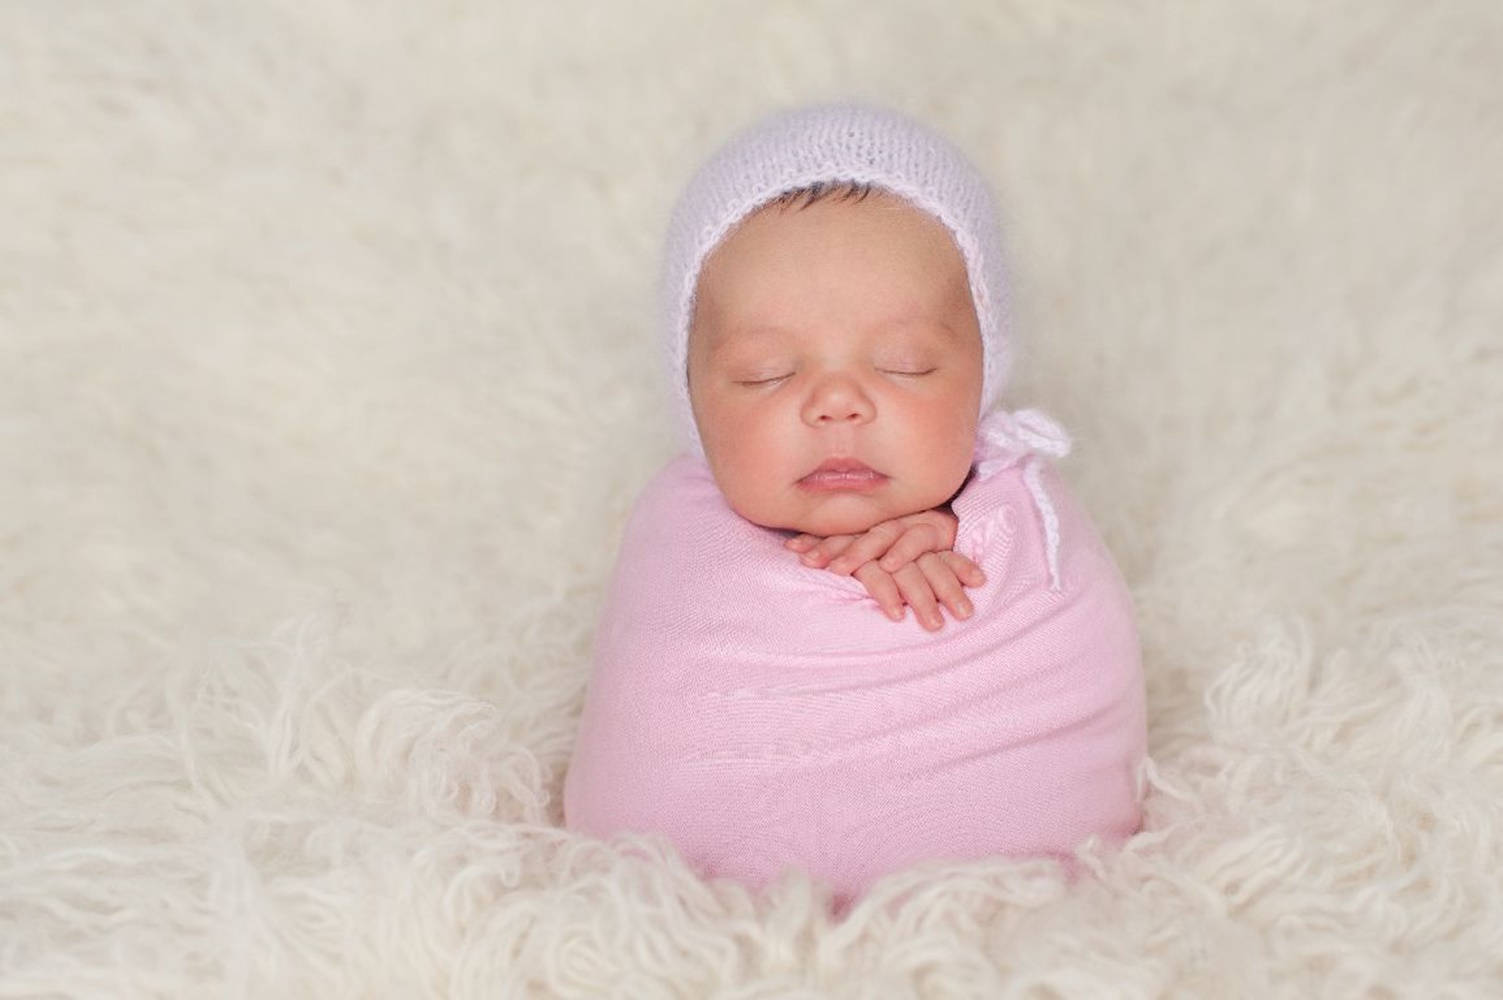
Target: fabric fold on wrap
x: 1004, y: 439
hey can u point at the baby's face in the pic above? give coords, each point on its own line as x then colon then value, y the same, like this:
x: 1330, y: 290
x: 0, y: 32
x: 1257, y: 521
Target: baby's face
x: 840, y: 331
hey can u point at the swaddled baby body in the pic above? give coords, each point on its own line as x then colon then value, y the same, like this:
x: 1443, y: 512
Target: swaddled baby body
x: 760, y: 696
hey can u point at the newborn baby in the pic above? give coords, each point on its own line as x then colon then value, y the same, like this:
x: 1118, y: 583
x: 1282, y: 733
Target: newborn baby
x: 760, y: 696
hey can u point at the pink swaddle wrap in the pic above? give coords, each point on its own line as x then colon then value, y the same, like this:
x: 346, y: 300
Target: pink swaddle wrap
x: 762, y: 714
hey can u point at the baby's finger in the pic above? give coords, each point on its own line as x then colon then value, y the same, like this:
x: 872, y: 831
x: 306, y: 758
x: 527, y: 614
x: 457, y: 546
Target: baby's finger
x: 916, y: 540
x: 867, y: 547
x: 945, y: 584
x: 827, y: 550
x: 943, y: 522
x: 882, y: 588
x: 920, y: 596
x: 969, y: 573
x: 799, y: 543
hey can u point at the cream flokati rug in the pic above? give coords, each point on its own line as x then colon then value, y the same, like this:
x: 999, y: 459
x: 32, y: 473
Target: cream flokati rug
x: 327, y: 378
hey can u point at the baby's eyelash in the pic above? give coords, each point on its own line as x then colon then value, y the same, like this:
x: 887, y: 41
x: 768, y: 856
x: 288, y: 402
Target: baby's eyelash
x: 774, y: 379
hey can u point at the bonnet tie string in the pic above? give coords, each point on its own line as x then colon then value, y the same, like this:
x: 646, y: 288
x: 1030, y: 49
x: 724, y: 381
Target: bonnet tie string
x: 1003, y: 440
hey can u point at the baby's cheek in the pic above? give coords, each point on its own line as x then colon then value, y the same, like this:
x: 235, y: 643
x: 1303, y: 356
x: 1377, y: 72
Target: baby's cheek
x: 947, y: 454
x: 757, y: 495
x: 750, y: 468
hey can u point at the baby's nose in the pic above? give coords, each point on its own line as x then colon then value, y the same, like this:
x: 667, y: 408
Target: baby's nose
x: 838, y: 400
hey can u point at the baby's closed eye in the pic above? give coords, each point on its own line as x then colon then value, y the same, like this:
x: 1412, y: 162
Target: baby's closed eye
x: 765, y: 380
x: 906, y: 360
x: 773, y: 378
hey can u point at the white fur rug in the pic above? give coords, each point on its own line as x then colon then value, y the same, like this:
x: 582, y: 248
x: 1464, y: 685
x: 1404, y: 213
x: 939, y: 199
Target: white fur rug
x: 327, y: 365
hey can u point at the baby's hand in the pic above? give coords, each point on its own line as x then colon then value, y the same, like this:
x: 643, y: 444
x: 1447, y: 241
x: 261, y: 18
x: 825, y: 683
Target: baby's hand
x: 916, y: 567
x: 896, y: 542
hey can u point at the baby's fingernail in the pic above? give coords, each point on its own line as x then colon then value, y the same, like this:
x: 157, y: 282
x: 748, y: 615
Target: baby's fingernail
x: 896, y: 614
x: 965, y: 608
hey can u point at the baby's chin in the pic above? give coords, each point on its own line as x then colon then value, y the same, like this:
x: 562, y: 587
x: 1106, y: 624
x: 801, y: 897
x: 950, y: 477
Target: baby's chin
x: 847, y: 515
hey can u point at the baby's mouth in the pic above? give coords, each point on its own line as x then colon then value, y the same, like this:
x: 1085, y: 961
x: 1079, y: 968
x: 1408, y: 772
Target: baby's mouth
x: 840, y: 474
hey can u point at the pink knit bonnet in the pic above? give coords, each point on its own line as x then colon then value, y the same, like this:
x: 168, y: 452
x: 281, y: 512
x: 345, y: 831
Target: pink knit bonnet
x: 831, y: 142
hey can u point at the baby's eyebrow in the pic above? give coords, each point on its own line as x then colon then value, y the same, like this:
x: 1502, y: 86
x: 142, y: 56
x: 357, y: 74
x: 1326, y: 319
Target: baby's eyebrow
x: 758, y: 331
x: 722, y: 341
x: 932, y: 331
x: 926, y: 322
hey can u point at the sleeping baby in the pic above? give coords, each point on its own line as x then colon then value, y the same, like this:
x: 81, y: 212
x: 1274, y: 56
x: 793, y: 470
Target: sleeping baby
x: 761, y: 696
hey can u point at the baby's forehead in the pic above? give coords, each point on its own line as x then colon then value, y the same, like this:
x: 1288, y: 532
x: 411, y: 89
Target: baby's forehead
x: 842, y: 262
